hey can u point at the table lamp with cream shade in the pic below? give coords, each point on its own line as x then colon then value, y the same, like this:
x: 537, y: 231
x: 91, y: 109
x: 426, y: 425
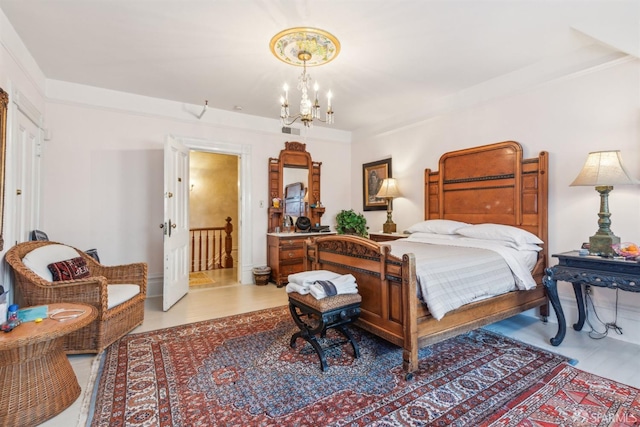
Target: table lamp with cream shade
x: 389, y: 190
x: 603, y: 170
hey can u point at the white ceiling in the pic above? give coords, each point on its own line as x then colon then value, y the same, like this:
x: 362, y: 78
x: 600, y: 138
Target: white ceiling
x: 399, y: 59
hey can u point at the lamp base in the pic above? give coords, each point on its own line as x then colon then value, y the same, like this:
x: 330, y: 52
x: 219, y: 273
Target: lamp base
x: 600, y: 244
x: 389, y: 227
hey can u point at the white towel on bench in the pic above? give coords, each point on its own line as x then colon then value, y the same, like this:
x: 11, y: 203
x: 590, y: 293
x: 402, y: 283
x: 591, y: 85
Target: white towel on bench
x: 345, y: 284
x: 301, y: 282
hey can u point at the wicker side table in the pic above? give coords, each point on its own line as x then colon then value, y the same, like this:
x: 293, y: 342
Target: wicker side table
x: 37, y: 381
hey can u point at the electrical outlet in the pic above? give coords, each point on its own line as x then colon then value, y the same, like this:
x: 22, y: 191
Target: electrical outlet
x: 587, y: 289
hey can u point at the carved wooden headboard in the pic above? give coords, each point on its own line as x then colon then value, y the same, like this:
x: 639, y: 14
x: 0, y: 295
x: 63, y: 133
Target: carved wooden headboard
x: 490, y: 184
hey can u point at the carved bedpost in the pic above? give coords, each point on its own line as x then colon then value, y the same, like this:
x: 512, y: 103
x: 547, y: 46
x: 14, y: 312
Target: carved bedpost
x: 410, y: 313
x: 311, y: 255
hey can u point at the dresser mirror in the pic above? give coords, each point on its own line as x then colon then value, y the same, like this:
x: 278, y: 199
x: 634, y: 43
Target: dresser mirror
x: 295, y: 188
x: 294, y: 182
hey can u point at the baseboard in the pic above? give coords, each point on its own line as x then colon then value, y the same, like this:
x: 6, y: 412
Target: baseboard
x: 155, y: 284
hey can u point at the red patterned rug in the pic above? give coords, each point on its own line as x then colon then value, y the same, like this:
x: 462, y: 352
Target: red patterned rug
x: 241, y: 371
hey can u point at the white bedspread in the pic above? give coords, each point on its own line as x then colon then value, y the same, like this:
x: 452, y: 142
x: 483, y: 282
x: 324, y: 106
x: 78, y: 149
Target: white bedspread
x: 452, y: 273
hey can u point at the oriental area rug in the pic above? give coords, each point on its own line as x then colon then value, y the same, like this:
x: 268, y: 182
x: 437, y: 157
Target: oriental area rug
x: 241, y: 371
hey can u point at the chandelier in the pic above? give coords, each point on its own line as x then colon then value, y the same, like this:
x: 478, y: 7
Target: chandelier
x: 305, y: 47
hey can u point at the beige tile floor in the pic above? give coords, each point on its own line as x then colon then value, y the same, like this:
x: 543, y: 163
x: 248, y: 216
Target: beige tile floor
x: 607, y: 357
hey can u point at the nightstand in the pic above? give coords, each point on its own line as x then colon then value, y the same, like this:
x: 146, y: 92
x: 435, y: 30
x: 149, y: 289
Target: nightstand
x: 587, y: 270
x: 386, y: 237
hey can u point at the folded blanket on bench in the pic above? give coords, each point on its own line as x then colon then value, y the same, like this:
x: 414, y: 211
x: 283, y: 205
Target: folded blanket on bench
x: 345, y: 284
x: 301, y: 282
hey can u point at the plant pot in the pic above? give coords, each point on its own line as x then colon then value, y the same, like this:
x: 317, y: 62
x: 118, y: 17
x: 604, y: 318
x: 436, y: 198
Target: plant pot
x: 350, y: 222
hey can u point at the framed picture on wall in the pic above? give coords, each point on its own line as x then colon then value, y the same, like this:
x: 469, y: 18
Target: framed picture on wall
x: 373, y: 175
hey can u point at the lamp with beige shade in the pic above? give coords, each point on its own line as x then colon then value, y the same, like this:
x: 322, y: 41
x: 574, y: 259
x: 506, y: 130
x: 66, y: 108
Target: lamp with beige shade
x: 389, y: 190
x: 603, y: 170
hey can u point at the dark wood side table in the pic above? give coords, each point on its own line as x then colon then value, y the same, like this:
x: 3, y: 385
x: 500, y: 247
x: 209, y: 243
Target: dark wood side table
x: 587, y: 270
x: 386, y: 237
x: 37, y: 381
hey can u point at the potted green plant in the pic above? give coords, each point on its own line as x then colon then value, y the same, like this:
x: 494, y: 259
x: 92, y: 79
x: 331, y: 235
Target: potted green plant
x: 350, y: 222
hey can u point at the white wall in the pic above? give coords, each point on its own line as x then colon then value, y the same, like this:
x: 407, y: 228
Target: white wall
x: 569, y: 117
x: 103, y: 165
x: 103, y: 171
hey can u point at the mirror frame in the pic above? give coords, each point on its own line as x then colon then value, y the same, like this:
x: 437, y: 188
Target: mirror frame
x: 294, y: 155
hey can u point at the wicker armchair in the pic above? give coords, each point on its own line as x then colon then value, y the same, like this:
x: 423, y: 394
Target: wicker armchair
x: 112, y: 323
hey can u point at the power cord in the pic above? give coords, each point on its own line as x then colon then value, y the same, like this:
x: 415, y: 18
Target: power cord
x: 593, y: 333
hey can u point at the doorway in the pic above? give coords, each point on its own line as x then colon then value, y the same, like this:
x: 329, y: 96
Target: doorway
x: 213, y: 207
x: 243, y: 227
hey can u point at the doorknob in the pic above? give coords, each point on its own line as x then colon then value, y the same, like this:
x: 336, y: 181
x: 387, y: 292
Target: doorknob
x: 170, y: 227
x: 167, y: 229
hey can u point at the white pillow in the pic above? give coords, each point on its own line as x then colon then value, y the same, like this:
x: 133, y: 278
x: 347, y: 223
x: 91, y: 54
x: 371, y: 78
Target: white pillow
x: 437, y: 226
x: 420, y: 235
x: 502, y: 232
x: 38, y: 259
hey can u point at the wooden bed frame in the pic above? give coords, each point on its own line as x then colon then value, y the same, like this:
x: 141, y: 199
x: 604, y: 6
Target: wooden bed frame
x: 487, y: 184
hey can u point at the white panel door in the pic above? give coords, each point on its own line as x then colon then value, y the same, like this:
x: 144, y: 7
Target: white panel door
x: 26, y: 150
x: 176, y: 222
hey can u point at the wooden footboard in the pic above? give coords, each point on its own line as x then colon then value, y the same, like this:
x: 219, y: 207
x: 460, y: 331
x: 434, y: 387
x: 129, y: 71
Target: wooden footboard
x: 386, y: 283
x: 390, y: 307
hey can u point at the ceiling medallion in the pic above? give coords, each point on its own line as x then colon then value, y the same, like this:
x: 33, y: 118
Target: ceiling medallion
x: 304, y: 47
x: 319, y: 46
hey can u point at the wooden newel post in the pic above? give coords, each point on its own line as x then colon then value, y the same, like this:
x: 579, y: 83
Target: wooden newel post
x: 228, y: 244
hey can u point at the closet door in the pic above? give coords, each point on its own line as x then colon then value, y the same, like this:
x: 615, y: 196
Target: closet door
x: 26, y: 151
x: 22, y: 194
